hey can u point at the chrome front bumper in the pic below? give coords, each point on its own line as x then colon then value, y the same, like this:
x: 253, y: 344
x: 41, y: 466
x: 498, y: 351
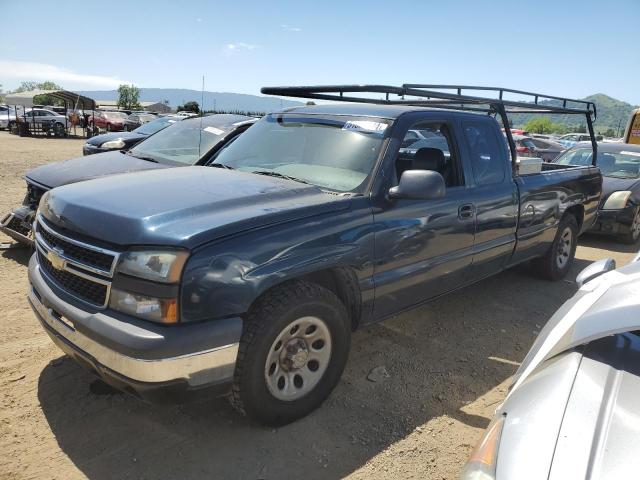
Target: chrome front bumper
x: 62, y: 320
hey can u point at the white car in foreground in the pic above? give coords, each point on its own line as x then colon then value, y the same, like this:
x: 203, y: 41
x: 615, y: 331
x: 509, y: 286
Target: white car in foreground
x: 573, y: 410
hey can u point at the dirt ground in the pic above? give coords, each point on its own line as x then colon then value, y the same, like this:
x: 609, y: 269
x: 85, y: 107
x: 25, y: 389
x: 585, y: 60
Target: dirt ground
x: 448, y: 363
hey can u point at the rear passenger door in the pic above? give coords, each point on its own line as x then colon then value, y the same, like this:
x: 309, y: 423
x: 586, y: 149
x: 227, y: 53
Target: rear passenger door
x: 495, y: 196
x: 422, y: 247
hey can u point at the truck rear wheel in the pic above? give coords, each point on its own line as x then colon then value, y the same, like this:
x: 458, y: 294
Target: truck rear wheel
x: 558, y: 260
x: 293, y: 350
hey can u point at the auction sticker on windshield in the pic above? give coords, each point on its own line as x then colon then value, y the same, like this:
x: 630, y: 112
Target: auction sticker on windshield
x: 214, y: 130
x: 366, y: 126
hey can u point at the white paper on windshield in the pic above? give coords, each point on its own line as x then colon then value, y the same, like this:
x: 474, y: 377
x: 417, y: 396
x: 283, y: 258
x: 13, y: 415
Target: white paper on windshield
x: 214, y: 130
x: 635, y: 154
x: 365, y: 126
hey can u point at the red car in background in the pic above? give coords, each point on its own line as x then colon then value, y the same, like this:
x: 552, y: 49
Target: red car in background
x: 109, y: 121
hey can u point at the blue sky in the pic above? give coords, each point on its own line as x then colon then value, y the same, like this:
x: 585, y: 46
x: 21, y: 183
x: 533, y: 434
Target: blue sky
x: 569, y: 48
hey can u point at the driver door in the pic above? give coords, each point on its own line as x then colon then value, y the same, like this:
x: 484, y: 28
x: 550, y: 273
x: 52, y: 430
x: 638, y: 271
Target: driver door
x: 423, y: 247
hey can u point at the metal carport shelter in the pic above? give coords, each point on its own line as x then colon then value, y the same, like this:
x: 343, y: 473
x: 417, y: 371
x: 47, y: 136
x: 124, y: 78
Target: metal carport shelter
x: 70, y: 99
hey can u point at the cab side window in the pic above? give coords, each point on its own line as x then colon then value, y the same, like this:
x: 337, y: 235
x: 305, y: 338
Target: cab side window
x: 428, y: 146
x: 486, y: 152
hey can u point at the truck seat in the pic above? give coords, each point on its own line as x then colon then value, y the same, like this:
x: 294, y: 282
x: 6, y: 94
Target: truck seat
x: 432, y: 159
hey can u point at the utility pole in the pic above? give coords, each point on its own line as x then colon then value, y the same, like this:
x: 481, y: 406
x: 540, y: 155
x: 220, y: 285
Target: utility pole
x: 618, y: 130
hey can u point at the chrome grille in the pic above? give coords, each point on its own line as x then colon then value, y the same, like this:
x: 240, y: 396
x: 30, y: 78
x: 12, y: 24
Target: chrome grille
x: 84, y: 271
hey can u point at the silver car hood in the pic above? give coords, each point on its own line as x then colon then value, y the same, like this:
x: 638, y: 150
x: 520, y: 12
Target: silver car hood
x: 604, y: 306
x: 598, y: 438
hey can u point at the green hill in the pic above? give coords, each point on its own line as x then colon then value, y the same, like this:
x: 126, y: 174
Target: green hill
x: 612, y: 113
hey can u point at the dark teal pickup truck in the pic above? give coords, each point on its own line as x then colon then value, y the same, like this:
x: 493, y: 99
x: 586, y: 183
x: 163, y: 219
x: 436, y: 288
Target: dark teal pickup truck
x: 248, y: 275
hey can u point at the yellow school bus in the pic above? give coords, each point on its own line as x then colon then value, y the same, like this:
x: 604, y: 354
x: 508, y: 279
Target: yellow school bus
x: 632, y: 133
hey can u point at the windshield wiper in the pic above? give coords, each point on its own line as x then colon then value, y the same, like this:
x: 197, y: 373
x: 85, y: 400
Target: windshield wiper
x: 142, y: 157
x: 221, y: 165
x: 279, y: 175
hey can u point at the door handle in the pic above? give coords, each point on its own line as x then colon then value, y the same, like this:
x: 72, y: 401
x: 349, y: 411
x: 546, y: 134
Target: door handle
x: 466, y: 211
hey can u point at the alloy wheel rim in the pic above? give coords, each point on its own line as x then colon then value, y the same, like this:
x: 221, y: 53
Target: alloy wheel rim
x: 298, y: 358
x: 564, y: 248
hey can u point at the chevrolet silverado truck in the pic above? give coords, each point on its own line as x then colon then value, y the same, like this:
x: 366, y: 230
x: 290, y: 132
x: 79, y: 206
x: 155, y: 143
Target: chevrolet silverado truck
x: 248, y: 275
x: 180, y: 145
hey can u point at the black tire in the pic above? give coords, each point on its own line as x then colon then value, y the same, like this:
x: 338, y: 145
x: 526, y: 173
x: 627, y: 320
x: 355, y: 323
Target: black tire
x: 275, y: 311
x: 632, y: 236
x: 549, y: 266
x: 59, y: 130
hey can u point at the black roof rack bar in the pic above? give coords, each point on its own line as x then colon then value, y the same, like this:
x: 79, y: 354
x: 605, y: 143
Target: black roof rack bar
x: 588, y: 106
x: 427, y: 94
x: 425, y: 97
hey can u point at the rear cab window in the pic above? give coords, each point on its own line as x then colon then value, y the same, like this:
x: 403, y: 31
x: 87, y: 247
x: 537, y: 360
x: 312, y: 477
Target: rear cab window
x: 486, y: 151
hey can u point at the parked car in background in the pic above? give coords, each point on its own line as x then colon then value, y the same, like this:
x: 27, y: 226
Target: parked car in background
x: 543, y: 136
x: 527, y: 146
x: 186, y: 114
x: 7, y: 117
x: 619, y: 211
x: 44, y: 119
x: 136, y: 120
x: 572, y: 411
x: 125, y: 140
x: 256, y: 271
x: 570, y: 139
x: 181, y: 144
x: 109, y: 121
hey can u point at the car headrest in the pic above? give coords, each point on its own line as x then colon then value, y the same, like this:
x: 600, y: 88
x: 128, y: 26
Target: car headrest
x: 428, y: 159
x: 606, y: 161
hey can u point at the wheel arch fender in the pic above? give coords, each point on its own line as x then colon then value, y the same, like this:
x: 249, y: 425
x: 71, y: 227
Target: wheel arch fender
x: 227, y: 285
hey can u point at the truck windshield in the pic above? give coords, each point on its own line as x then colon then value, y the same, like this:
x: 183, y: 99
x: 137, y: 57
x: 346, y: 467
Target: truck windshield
x: 181, y: 143
x: 333, y: 152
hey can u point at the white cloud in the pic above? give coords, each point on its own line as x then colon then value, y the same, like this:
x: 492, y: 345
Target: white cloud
x: 31, y: 71
x: 289, y: 28
x: 241, y: 46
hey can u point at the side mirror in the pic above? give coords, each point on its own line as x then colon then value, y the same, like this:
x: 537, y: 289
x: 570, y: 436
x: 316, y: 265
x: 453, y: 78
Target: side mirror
x: 419, y: 185
x: 595, y: 270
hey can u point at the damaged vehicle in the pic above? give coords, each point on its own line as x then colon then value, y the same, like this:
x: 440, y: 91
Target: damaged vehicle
x: 187, y: 142
x: 572, y: 410
x: 248, y: 275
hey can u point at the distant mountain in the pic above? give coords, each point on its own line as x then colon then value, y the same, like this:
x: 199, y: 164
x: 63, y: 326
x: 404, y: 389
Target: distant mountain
x: 611, y: 113
x: 221, y: 100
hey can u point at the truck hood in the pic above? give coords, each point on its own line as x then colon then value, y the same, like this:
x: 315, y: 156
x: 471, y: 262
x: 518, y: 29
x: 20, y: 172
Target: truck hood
x: 182, y: 206
x: 607, y: 305
x: 86, y: 168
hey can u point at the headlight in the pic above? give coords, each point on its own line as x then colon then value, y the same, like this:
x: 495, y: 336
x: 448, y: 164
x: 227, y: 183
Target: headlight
x: 156, y: 265
x: 162, y: 310
x: 617, y: 200
x: 113, y: 144
x: 482, y: 462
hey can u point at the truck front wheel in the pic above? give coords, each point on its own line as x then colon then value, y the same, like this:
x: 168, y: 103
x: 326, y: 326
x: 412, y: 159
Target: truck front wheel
x: 293, y: 350
x: 558, y: 260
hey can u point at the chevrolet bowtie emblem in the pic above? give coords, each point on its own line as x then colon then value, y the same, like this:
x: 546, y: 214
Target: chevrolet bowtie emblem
x: 56, y: 260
